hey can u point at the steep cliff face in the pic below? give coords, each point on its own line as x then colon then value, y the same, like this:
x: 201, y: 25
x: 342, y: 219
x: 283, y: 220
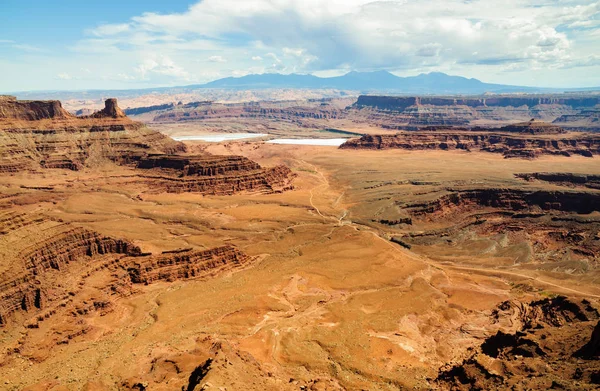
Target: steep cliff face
x: 407, y: 112
x: 282, y: 111
x: 564, y: 179
x: 35, y: 135
x: 111, y: 110
x: 208, y: 165
x: 13, y: 109
x: 211, y: 174
x: 532, y: 127
x: 586, y: 118
x: 401, y: 103
x: 510, y: 199
x: 109, y: 135
x: 508, y: 145
x: 185, y: 264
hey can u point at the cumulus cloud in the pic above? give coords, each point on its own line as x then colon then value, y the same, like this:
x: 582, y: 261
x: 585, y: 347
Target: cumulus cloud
x: 160, y: 66
x: 472, y: 38
x: 368, y: 34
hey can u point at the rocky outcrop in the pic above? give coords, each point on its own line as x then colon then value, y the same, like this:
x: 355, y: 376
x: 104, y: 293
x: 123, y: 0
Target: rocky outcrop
x: 588, y: 118
x: 147, y: 109
x: 508, y: 199
x: 556, y: 312
x: 29, y: 110
x: 211, y: 174
x: 591, y: 350
x: 526, y: 357
x: 111, y: 110
x: 532, y: 127
x: 35, y: 137
x: 109, y: 135
x: 564, y: 179
x: 203, y: 165
x: 509, y: 145
x: 186, y: 264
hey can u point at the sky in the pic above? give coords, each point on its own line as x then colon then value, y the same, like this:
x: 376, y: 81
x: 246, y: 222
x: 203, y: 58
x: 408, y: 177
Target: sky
x: 116, y: 44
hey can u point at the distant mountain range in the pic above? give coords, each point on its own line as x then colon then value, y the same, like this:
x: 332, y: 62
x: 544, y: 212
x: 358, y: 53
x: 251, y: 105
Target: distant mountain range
x: 378, y: 82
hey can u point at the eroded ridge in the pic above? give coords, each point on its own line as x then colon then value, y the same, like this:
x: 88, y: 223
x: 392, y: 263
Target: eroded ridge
x: 213, y: 174
x: 564, y: 179
x: 37, y: 250
x: 510, y: 199
x: 508, y: 145
x: 186, y: 264
x: 40, y: 252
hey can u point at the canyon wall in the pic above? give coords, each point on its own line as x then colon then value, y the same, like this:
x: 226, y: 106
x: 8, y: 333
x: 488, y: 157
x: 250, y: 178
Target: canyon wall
x: 509, y: 145
x: 575, y: 112
x: 210, y: 174
x: 38, y: 253
x: 401, y: 103
x: 13, y: 109
x: 36, y: 135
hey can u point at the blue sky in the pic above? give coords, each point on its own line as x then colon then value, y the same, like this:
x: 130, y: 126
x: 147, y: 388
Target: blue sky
x: 106, y: 44
x: 56, y: 23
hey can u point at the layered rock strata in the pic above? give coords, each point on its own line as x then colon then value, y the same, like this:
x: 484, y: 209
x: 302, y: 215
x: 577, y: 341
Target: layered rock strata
x: 210, y: 174
x: 564, y: 179
x: 509, y: 199
x: 35, y: 250
x: 186, y: 264
x: 508, y: 145
x: 295, y: 112
x: 43, y: 252
x: 36, y: 135
x: 13, y: 109
x: 406, y: 112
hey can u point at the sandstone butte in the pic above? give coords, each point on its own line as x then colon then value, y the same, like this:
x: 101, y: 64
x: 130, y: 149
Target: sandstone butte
x: 38, y: 135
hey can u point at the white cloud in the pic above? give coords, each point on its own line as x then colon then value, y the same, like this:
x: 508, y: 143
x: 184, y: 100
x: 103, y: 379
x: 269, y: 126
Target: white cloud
x: 110, y: 29
x: 514, y: 41
x: 160, y: 66
x: 429, y: 50
x: 314, y: 35
x: 216, y: 59
x: 63, y: 76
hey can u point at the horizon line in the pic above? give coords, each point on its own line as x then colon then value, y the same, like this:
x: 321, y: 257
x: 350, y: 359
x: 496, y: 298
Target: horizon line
x: 589, y: 88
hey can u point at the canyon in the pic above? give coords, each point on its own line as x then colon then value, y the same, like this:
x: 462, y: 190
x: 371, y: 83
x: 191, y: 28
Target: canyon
x: 446, y: 257
x: 569, y: 111
x: 575, y: 112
